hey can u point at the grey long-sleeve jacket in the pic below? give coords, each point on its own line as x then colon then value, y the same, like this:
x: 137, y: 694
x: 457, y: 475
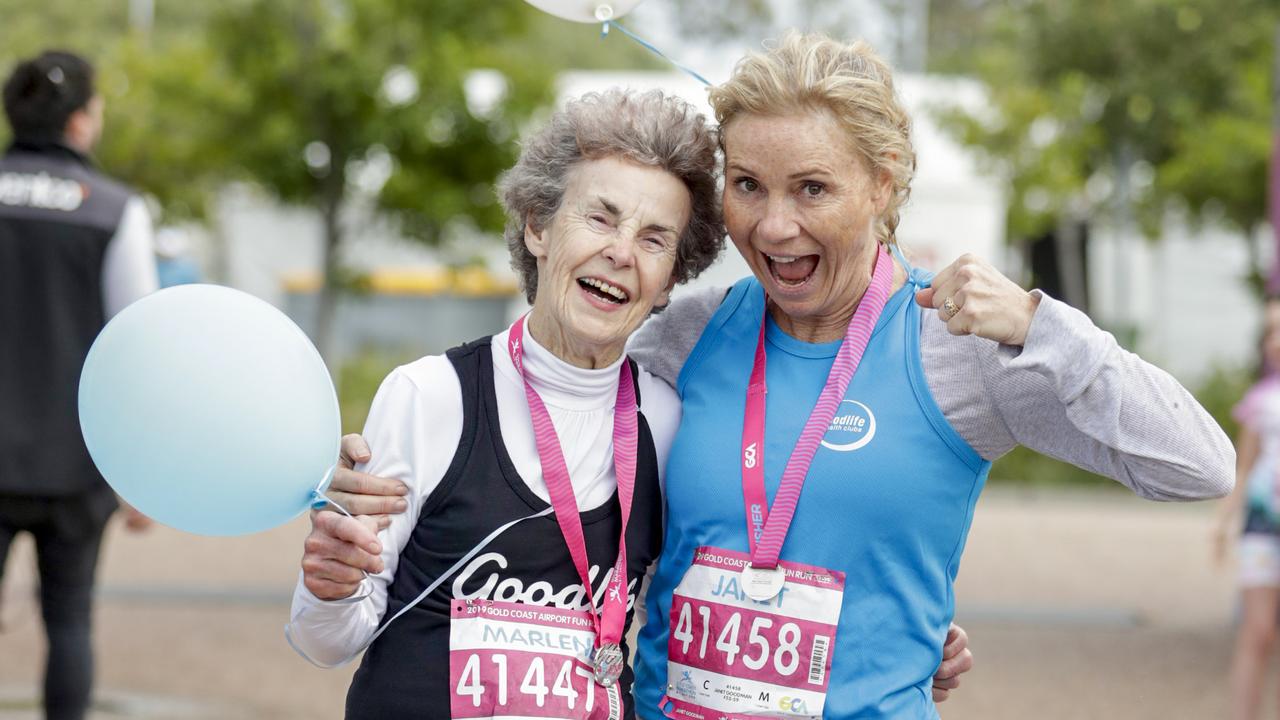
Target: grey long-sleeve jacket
x: 1070, y: 392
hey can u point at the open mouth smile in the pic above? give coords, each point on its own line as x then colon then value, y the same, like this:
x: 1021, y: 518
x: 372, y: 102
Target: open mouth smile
x: 604, y: 290
x: 791, y: 271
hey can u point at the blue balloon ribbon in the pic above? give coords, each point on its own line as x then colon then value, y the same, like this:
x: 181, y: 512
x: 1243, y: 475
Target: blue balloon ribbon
x: 319, y: 499
x: 604, y: 31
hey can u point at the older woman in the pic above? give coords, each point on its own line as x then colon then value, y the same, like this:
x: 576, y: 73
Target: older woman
x: 610, y: 205
x: 814, y: 532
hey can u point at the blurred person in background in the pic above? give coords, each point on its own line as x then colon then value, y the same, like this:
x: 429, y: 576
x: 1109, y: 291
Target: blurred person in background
x: 75, y: 249
x: 1257, y: 498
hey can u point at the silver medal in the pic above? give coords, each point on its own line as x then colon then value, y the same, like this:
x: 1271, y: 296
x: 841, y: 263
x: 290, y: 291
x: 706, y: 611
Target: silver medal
x: 607, y: 664
x: 762, y: 584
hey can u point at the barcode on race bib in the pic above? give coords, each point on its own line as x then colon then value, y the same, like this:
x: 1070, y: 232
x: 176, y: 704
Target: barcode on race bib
x: 818, y: 660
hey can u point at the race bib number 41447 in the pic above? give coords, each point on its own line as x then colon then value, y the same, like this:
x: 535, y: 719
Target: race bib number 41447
x: 511, y: 660
x: 729, y: 656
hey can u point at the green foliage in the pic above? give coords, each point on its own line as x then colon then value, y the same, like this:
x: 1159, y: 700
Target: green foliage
x: 155, y: 134
x: 1027, y: 467
x: 236, y: 90
x: 1220, y: 393
x: 956, y: 28
x: 1173, y: 93
x: 358, y: 381
x: 308, y: 72
x: 726, y: 20
x: 158, y: 93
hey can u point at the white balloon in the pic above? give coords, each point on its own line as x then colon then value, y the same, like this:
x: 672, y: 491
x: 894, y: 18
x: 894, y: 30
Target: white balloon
x: 586, y: 11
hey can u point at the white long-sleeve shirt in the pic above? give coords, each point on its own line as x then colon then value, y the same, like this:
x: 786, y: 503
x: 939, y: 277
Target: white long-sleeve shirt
x: 129, y: 264
x: 414, y: 427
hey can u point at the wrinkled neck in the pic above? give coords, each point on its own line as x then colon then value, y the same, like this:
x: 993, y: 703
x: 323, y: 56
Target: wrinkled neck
x: 553, y: 338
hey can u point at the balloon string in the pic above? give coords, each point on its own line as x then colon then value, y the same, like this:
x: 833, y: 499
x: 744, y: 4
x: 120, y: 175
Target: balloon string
x: 320, y: 500
x: 288, y: 629
x: 649, y: 46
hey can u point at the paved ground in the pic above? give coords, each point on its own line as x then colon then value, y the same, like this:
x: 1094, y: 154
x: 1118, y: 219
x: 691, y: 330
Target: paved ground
x: 1091, y: 606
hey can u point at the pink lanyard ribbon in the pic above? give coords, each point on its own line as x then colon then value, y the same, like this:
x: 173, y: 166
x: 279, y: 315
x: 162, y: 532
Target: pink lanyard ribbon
x: 767, y: 527
x: 608, y: 621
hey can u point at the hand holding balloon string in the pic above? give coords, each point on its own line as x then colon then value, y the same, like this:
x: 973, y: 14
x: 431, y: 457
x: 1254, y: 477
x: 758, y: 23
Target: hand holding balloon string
x: 342, y: 550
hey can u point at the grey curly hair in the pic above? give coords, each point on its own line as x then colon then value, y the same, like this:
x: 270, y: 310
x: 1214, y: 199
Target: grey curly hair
x: 649, y: 128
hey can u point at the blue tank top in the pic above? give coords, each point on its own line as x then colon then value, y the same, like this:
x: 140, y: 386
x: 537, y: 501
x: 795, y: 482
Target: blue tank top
x: 888, y: 499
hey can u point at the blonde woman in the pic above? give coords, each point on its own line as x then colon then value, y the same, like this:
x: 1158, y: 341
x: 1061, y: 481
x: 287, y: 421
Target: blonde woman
x: 864, y: 507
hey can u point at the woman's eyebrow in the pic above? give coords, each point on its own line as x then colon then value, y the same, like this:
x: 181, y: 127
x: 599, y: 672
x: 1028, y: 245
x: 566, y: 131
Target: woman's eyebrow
x: 810, y: 172
x: 609, y: 207
x: 612, y: 209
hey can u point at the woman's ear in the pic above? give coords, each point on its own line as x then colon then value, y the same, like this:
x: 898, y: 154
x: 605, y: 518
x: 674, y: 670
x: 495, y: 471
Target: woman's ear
x: 535, y: 241
x: 882, y: 189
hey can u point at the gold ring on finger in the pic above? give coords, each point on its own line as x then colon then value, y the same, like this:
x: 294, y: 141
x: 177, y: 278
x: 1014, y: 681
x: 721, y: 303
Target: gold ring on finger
x: 950, y: 308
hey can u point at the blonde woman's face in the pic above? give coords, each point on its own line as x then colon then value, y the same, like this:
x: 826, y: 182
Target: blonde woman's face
x: 800, y: 206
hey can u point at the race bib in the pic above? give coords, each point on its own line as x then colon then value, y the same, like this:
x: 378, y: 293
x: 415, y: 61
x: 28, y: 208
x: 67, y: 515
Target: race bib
x: 511, y: 660
x: 732, y: 658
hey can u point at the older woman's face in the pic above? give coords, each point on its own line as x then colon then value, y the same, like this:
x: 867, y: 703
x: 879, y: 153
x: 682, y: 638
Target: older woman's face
x: 605, y: 259
x: 799, y: 205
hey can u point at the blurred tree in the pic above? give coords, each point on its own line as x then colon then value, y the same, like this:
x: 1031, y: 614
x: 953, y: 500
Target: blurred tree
x: 718, y: 21
x: 956, y: 29
x: 327, y: 102
x: 90, y: 28
x: 1125, y: 106
x: 1158, y: 105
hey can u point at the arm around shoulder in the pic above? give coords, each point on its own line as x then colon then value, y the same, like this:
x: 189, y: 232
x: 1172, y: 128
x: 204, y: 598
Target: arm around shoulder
x: 665, y: 340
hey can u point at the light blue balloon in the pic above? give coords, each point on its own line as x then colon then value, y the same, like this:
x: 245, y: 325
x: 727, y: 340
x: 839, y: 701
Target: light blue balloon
x: 209, y: 410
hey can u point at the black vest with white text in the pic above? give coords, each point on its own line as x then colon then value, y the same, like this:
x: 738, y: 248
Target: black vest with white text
x: 57, y: 217
x: 405, y: 673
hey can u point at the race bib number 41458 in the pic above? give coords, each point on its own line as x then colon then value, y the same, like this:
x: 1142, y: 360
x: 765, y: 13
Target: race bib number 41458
x: 729, y: 656
x: 511, y: 660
